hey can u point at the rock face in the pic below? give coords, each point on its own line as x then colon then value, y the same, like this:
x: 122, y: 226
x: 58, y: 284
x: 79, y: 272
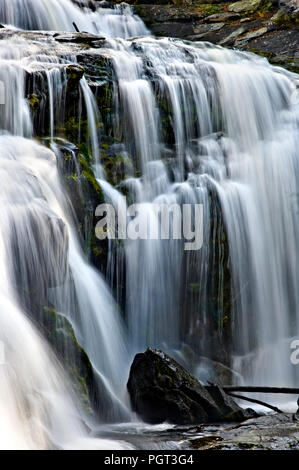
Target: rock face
x: 162, y: 390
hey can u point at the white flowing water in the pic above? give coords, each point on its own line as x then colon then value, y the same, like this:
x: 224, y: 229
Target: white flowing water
x: 59, y: 15
x: 202, y: 125
x: 235, y: 124
x: 40, y: 253
x: 37, y: 407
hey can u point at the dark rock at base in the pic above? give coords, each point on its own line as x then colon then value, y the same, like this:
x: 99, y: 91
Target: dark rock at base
x: 162, y: 390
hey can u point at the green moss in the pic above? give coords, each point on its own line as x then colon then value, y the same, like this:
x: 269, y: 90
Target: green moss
x: 33, y: 101
x: 209, y: 9
x: 87, y: 172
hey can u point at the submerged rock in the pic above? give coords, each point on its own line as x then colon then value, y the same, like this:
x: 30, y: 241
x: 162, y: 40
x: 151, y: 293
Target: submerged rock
x: 162, y: 390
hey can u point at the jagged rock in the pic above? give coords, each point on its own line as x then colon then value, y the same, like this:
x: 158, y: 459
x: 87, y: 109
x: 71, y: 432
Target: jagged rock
x: 162, y: 390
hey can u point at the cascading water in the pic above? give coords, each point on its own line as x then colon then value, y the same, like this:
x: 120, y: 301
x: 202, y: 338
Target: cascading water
x: 38, y: 410
x: 36, y: 236
x: 228, y: 149
x: 199, y: 124
x: 60, y: 15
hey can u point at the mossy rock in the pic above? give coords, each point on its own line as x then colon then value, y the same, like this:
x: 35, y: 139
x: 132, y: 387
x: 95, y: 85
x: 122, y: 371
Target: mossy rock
x: 34, y: 102
x: 60, y: 334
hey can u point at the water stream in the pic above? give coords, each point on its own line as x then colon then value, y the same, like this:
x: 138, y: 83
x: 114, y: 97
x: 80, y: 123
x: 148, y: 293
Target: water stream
x: 202, y: 125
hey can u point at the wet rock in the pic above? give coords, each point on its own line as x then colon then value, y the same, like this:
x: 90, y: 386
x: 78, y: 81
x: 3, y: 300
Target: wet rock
x: 162, y: 390
x: 88, y: 386
x: 271, y: 432
x: 60, y: 334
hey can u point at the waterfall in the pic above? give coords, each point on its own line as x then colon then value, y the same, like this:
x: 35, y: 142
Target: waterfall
x: 230, y: 144
x: 198, y: 124
x: 59, y: 15
x: 38, y: 410
x: 41, y: 257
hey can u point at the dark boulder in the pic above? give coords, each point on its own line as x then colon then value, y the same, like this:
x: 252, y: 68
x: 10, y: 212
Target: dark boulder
x: 162, y: 390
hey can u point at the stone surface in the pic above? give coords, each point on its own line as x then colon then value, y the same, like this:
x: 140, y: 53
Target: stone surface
x: 244, y: 6
x: 270, y: 432
x: 253, y: 34
x: 162, y: 390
